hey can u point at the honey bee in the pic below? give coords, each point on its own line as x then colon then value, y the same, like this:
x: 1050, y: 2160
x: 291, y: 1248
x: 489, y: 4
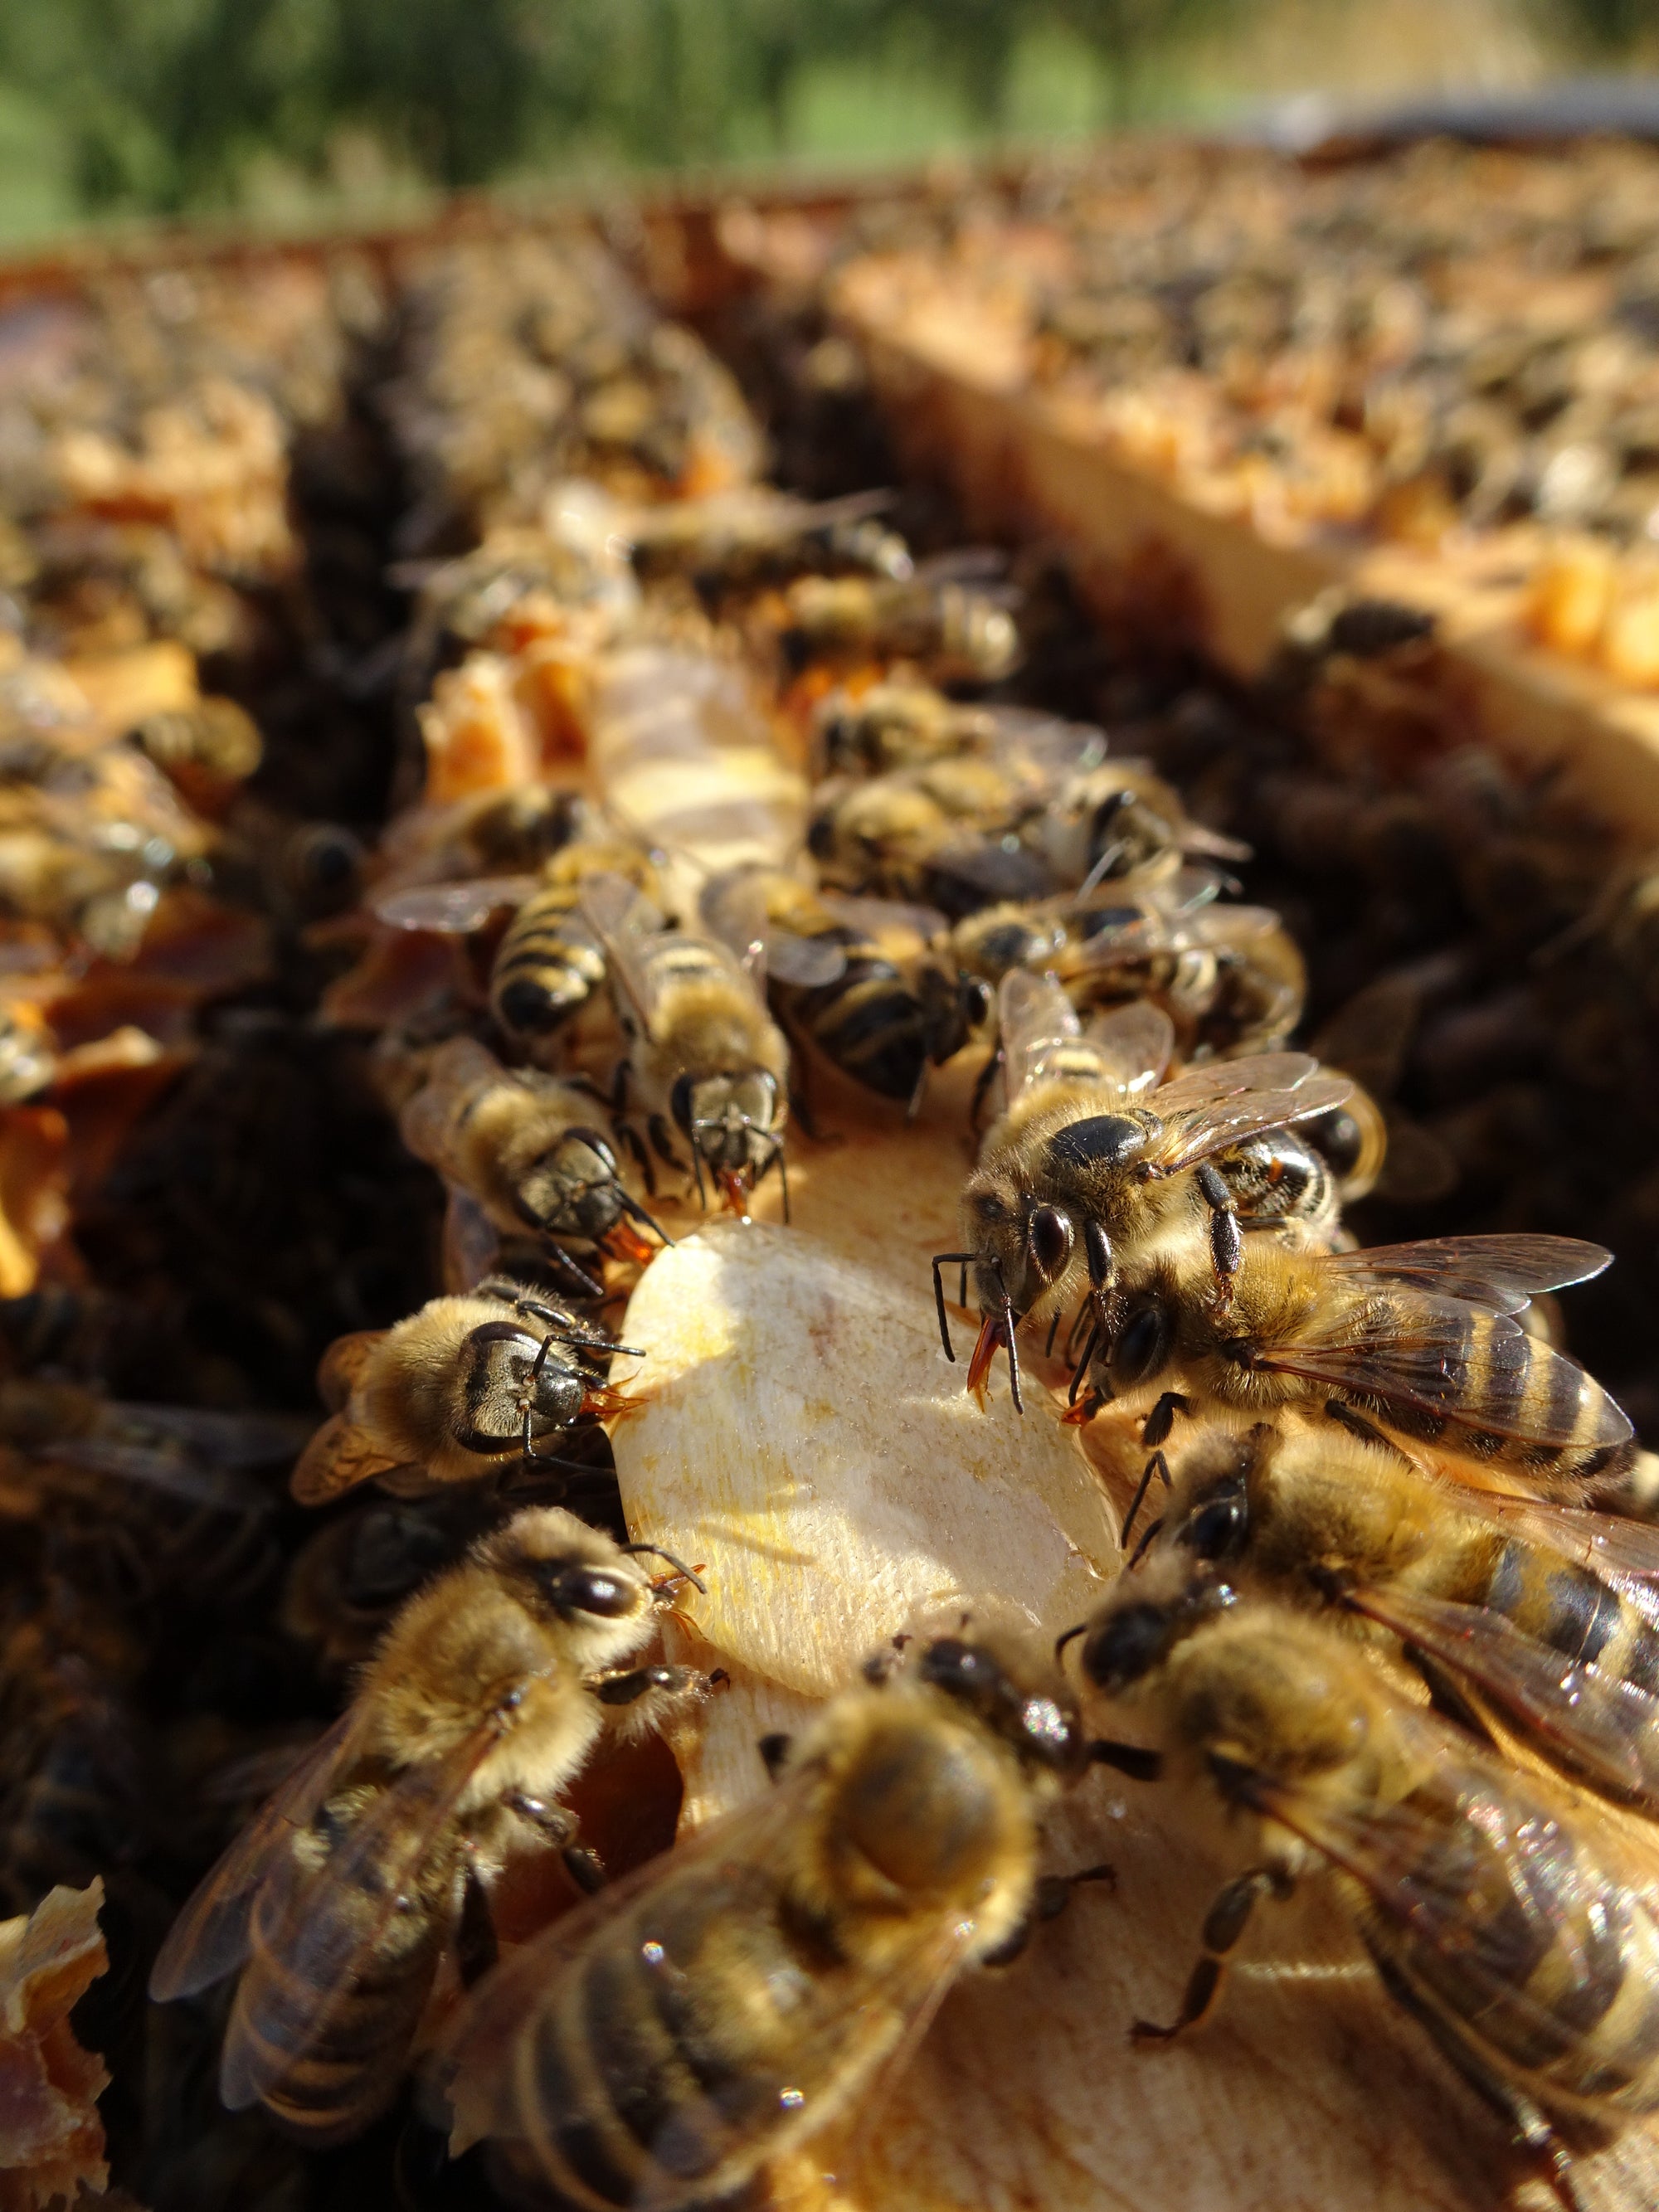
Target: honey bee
x: 1118, y: 819
x: 904, y: 1835
x: 1093, y: 1162
x: 942, y: 834
x: 898, y: 723
x: 520, y: 1146
x: 455, y: 1392
x: 338, y: 1903
x: 702, y: 1051
x: 740, y: 539
x: 1420, y: 1337
x: 207, y: 749
x: 1517, y: 1599
x: 880, y: 1019
x: 1510, y: 1915
x: 548, y: 963
x: 962, y: 630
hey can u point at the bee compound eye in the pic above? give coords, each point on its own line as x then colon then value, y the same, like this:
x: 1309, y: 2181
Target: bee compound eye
x: 1140, y: 1346
x: 1048, y: 1235
x: 680, y: 1103
x: 1125, y: 1646
x: 592, y: 1589
x: 1216, y: 1530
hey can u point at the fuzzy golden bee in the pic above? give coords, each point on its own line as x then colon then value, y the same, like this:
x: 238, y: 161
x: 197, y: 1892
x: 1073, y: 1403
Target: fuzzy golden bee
x: 1510, y: 1914
x: 458, y: 1390
x: 520, y: 1149
x: 704, y: 1056
x: 1539, y: 1613
x: 728, y: 2003
x: 338, y: 1904
x: 1421, y: 1339
x: 1093, y: 1163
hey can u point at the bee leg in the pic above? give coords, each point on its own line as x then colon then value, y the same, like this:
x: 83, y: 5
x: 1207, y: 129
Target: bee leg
x: 775, y: 1753
x: 555, y: 1824
x: 1050, y: 1898
x: 630, y: 1137
x: 982, y: 1083
x: 1535, y: 2138
x: 1085, y: 1358
x: 1159, y: 1422
x: 1226, y: 1238
x: 585, y: 1868
x: 1223, y: 1924
x: 476, y: 1948
x: 947, y: 1260
x: 1156, y: 1465
x: 1357, y: 1426
x: 1131, y: 1758
x: 662, y: 1144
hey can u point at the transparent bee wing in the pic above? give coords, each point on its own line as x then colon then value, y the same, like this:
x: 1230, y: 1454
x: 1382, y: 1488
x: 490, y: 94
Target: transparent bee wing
x: 1054, y: 749
x: 453, y: 910
x: 470, y: 1244
x: 343, y: 1364
x: 320, y: 1925
x: 1427, y: 1365
x: 210, y: 1938
x: 230, y: 1439
x: 1196, y: 838
x: 338, y: 1457
x: 1604, y: 1724
x: 734, y: 907
x: 1138, y: 1040
x: 1623, y: 1552
x: 1371, y: 1033
x: 886, y: 919
x: 623, y: 920
x: 964, y: 564
x: 1473, y: 1822
x: 1033, y: 1016
x: 1501, y: 1271
x: 1207, y: 1109
x: 499, y: 2064
x: 1230, y: 929
x: 172, y: 1472
x: 1417, y: 1167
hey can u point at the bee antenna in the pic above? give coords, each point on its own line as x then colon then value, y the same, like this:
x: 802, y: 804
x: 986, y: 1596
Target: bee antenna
x: 636, y: 1212
x: 1070, y: 1637
x: 678, y: 1564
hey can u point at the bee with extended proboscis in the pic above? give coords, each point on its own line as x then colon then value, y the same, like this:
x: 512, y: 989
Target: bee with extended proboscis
x: 727, y: 2002
x: 704, y: 1055
x: 463, y: 1388
x: 857, y: 977
x: 337, y: 1905
x: 1508, y: 1913
x: 1420, y: 1338
x: 519, y: 1152
x: 1093, y: 1162
x: 1539, y: 1612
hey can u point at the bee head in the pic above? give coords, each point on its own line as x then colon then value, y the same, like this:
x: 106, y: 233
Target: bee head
x: 573, y: 1189
x: 511, y: 1377
x: 1023, y: 1248
x: 1145, y: 1616
x: 1013, y: 1691
x: 1208, y: 1516
x: 732, y: 1124
x: 564, y: 1572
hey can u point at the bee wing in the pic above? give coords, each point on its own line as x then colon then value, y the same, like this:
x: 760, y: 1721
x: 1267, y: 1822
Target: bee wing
x: 169, y: 1472
x: 472, y: 1246
x: 624, y: 919
x: 341, y: 1366
x: 338, y: 1457
x: 1623, y: 1552
x: 845, y: 2029
x: 1033, y: 1015
x: 319, y: 1925
x: 885, y: 919
x: 230, y: 1439
x: 734, y: 906
x: 1371, y: 1033
x: 1207, y: 1109
x: 1505, y: 1830
x: 1503, y: 1272
x: 1140, y: 1039
x: 1605, y: 1724
x: 210, y: 1938
x: 453, y: 910
x: 1426, y: 1364
x: 1197, y: 837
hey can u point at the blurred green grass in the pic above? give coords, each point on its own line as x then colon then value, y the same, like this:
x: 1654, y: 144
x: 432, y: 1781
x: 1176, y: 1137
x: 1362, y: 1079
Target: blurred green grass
x: 295, y: 113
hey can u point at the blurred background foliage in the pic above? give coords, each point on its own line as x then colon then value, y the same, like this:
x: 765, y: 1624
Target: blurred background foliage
x: 281, y: 110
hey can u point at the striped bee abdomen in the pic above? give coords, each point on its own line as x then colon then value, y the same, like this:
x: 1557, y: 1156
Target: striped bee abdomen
x: 546, y: 966
x: 868, y: 1023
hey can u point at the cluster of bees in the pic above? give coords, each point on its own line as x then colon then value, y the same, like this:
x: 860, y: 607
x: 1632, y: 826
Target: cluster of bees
x: 1449, y: 348
x: 724, y: 813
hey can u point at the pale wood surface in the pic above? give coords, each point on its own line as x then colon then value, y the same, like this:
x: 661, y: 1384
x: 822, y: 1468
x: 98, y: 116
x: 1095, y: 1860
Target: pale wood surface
x: 803, y: 1437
